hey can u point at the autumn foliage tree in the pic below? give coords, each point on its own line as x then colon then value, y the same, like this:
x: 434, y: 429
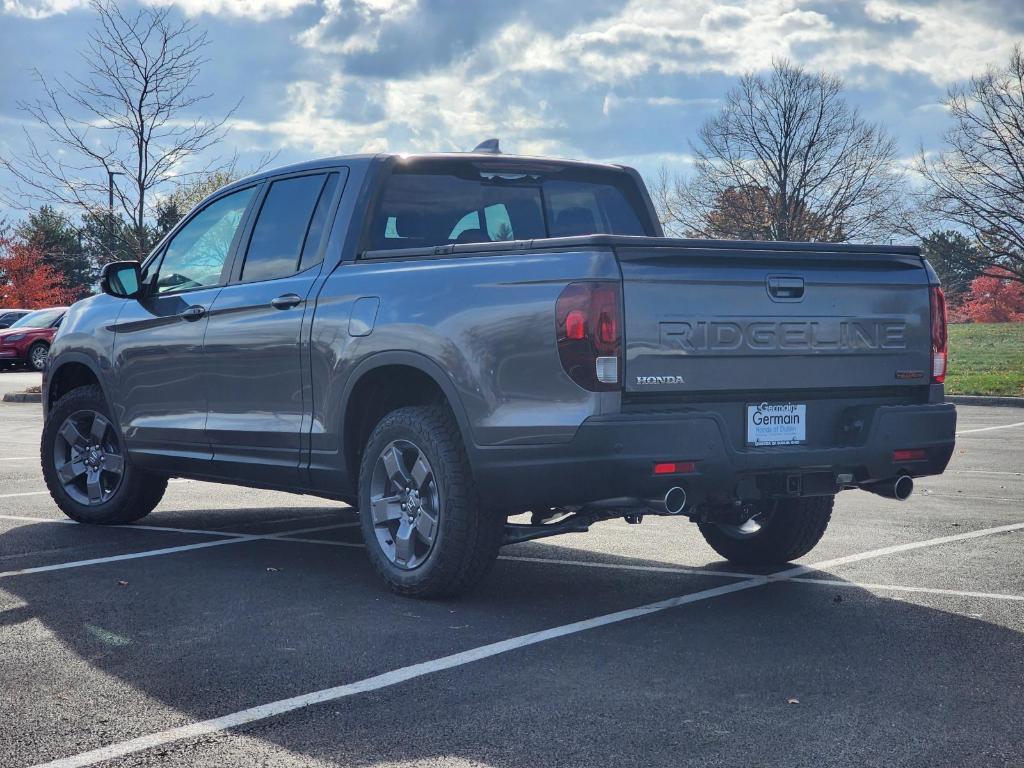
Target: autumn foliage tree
x: 27, y: 281
x: 995, y: 297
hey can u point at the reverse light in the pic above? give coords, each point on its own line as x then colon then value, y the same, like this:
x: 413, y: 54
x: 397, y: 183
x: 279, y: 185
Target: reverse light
x: 588, y: 330
x: 940, y: 337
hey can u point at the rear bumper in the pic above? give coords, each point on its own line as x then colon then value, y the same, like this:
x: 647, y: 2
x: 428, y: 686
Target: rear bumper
x: 612, y: 457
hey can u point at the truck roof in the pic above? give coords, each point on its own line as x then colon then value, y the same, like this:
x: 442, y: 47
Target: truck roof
x: 492, y: 158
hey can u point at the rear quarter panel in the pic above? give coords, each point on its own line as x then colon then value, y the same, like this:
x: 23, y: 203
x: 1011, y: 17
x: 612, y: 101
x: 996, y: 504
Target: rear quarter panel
x: 486, y: 320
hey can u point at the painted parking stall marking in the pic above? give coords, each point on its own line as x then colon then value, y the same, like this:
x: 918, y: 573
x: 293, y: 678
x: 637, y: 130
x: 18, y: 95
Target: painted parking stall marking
x: 404, y: 674
x: 989, y: 429
x: 228, y: 538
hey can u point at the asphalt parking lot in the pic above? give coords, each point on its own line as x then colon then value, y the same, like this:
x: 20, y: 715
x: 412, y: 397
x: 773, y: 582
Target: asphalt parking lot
x: 243, y: 627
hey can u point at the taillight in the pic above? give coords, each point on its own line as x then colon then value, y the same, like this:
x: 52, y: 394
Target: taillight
x: 940, y: 338
x: 588, y: 326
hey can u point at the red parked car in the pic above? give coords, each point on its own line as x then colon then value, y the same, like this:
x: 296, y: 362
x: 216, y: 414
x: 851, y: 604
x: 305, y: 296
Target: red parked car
x: 28, y: 339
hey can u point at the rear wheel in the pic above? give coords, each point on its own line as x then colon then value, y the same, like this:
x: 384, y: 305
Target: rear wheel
x: 779, y: 531
x: 85, y: 466
x: 424, y: 531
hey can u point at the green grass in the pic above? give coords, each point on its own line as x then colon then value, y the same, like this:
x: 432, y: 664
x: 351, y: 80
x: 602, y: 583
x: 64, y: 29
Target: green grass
x: 986, y: 359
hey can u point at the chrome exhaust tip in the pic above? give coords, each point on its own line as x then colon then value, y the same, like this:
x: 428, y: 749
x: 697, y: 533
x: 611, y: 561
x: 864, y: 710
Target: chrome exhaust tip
x: 903, y: 487
x: 898, y: 488
x: 675, y: 500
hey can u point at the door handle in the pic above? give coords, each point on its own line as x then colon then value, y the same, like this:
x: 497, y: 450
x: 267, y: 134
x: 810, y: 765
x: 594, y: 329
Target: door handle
x: 193, y: 313
x: 287, y: 301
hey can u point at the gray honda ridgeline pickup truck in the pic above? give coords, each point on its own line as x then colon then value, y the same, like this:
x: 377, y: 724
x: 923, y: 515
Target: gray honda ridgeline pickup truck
x: 479, y: 349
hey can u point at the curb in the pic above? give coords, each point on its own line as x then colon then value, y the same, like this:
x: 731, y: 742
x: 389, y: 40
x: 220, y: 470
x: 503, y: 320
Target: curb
x: 1006, y: 402
x: 23, y: 397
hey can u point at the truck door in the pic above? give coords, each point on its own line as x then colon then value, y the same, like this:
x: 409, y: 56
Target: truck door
x: 256, y: 358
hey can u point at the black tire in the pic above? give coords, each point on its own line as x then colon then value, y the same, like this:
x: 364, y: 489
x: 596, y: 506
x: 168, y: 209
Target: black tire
x: 31, y: 356
x: 133, y: 497
x: 466, y: 538
x: 792, y: 530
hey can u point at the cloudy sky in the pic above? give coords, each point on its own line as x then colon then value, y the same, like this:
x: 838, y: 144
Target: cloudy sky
x: 627, y: 81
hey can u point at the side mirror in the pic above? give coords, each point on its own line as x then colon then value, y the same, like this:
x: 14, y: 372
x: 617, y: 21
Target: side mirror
x: 121, y: 279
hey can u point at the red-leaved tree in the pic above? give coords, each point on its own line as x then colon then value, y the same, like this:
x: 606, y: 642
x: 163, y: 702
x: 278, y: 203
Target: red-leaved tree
x: 995, y: 297
x: 27, y: 281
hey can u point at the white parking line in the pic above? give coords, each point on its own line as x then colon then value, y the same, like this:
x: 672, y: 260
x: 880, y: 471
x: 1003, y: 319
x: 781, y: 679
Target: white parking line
x: 422, y: 669
x: 989, y: 429
x: 329, y: 542
x: 981, y: 472
x: 47, y: 493
x: 899, y: 588
x: 231, y: 538
x: 384, y: 680
x: 161, y: 528
x: 170, y: 529
x: 627, y: 567
x: 965, y: 497
x: 130, y: 556
x: 896, y: 548
x: 19, y: 458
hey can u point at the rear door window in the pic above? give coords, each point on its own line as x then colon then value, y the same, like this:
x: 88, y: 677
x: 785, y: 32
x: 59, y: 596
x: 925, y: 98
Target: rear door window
x: 320, y: 226
x: 428, y: 203
x: 275, y: 246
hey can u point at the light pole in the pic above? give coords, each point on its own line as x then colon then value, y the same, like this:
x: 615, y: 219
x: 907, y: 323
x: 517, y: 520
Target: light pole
x: 110, y: 210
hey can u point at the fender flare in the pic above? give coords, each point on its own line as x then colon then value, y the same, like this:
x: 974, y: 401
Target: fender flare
x: 83, y: 359
x: 422, y: 363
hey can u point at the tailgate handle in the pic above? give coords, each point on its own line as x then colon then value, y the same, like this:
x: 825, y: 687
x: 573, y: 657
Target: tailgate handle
x: 786, y: 288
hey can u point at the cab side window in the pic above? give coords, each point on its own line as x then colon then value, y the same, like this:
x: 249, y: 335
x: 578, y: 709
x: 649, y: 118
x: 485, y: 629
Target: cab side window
x: 289, y: 227
x: 196, y: 256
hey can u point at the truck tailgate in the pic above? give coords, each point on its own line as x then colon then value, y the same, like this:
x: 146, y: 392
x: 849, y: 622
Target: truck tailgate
x: 780, y: 317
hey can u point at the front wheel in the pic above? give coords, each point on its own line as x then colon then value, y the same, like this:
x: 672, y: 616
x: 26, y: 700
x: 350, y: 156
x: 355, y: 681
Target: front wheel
x: 424, y: 531
x: 37, y: 356
x: 779, y: 531
x: 85, y: 466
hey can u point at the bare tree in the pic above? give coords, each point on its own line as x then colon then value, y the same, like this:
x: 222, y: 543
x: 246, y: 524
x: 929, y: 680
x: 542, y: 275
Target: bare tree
x: 786, y: 158
x: 129, y: 115
x: 977, y: 181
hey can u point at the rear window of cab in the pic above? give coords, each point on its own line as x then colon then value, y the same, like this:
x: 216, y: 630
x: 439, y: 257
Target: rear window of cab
x: 432, y: 203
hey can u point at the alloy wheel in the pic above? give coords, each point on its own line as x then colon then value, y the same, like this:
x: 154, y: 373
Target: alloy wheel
x: 38, y: 357
x: 88, y: 459
x: 405, y: 504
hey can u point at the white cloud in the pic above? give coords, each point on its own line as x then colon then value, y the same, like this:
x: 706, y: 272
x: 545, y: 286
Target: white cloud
x: 548, y: 78
x: 250, y: 9
x: 944, y: 41
x: 539, y: 87
x: 41, y: 9
x: 247, y: 9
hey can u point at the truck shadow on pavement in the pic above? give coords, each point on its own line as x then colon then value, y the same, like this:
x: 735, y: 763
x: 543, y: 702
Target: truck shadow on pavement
x: 787, y: 673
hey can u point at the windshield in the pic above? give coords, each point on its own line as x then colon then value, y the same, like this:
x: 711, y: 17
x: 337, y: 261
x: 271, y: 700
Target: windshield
x: 452, y: 202
x: 41, y: 318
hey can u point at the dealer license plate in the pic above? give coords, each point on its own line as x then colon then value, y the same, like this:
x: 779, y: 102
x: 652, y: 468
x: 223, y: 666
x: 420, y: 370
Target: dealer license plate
x: 776, y: 424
